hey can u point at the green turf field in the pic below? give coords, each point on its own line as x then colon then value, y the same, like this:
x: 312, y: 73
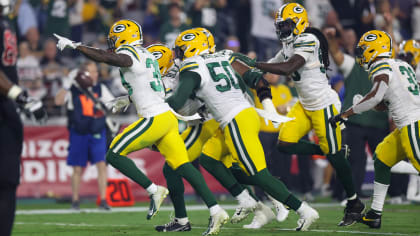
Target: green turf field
x: 397, y: 220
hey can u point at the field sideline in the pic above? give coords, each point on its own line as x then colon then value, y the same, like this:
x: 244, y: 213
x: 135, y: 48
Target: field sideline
x: 49, y: 220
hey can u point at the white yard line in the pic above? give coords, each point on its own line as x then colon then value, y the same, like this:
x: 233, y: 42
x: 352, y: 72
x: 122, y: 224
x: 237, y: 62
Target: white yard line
x: 137, y: 209
x: 224, y: 228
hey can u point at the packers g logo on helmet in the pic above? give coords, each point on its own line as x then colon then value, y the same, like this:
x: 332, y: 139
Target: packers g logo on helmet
x: 163, y: 55
x: 298, y: 9
x: 191, y: 43
x: 118, y: 28
x: 124, y: 32
x: 188, y: 37
x: 372, y: 45
x: 370, y: 37
x: 291, y: 20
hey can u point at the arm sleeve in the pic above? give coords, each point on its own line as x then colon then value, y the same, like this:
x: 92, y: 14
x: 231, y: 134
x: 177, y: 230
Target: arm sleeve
x: 347, y: 66
x: 188, y: 83
x: 377, y: 97
x: 277, y: 58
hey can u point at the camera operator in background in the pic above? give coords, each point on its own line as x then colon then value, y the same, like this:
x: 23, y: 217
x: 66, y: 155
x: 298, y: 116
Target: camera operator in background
x: 84, y: 97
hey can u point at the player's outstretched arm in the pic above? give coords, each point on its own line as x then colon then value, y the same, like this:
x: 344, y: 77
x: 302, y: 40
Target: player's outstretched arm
x: 369, y: 101
x: 99, y: 55
x: 282, y: 68
x: 95, y: 54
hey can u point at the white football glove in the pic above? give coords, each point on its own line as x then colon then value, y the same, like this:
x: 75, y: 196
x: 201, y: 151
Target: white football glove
x: 64, y: 42
x: 119, y: 103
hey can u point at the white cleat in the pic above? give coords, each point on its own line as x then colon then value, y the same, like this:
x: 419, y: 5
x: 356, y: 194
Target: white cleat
x: 282, y: 212
x: 307, y: 216
x: 246, y: 207
x: 156, y: 200
x: 216, y: 222
x: 263, y: 216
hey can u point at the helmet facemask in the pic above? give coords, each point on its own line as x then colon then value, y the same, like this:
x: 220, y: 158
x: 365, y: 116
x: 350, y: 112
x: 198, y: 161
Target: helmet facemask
x: 284, y: 29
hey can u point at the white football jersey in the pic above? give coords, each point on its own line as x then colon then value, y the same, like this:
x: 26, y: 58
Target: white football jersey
x: 403, y: 94
x: 171, y: 81
x: 310, y: 80
x: 219, y: 88
x: 143, y: 81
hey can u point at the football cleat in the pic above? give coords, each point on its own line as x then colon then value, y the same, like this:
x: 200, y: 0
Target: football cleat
x: 352, y: 213
x: 75, y: 206
x: 216, y: 222
x: 307, y: 216
x: 156, y: 200
x: 371, y: 219
x: 173, y: 226
x: 104, y: 206
x: 282, y: 212
x: 263, y: 216
x: 246, y: 206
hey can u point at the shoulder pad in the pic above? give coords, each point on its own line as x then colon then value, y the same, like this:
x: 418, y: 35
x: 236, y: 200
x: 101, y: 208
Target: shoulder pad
x: 305, y: 40
x: 188, y: 65
x: 380, y: 67
x: 129, y: 50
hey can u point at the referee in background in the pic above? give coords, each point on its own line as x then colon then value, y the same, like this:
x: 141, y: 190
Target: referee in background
x: 11, y: 128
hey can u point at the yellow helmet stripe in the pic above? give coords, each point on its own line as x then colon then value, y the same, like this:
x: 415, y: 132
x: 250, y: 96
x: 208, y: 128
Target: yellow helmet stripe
x: 190, y: 66
x: 130, y: 49
x: 232, y: 58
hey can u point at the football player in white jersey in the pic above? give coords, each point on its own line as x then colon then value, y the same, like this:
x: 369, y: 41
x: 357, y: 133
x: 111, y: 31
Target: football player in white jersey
x: 304, y: 57
x: 157, y: 124
x: 394, y: 87
x: 211, y: 78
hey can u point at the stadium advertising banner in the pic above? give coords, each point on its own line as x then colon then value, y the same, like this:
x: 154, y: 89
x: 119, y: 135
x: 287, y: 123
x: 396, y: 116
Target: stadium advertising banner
x: 45, y: 173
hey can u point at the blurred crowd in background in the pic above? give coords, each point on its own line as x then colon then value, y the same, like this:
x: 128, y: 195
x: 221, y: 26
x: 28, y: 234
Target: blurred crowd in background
x: 245, y: 26
x: 241, y: 25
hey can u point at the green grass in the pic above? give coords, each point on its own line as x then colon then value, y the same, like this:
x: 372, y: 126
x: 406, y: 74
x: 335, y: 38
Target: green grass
x: 403, y: 219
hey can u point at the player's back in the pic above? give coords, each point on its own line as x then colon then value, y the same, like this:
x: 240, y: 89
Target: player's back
x: 143, y: 81
x: 219, y: 88
x: 403, y: 94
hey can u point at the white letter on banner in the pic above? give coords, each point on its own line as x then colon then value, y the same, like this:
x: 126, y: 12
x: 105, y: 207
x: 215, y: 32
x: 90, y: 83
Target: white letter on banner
x: 51, y: 171
x: 44, y: 148
x: 60, y: 148
x: 33, y: 171
x: 64, y: 171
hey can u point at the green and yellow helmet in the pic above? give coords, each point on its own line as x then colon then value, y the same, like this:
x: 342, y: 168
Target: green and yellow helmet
x: 163, y: 55
x: 191, y: 43
x: 410, y: 52
x: 290, y: 20
x: 373, y: 44
x: 210, y: 38
x: 124, y: 32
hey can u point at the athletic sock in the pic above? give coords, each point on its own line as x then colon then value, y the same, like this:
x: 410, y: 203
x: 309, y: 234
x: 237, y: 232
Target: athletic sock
x: 214, y: 209
x: 302, y: 147
x: 251, y: 192
x: 222, y: 174
x: 152, y: 189
x: 182, y: 221
x: 380, y: 185
x: 176, y: 191
x: 343, y: 171
x: 276, y: 189
x: 128, y: 168
x: 194, y: 177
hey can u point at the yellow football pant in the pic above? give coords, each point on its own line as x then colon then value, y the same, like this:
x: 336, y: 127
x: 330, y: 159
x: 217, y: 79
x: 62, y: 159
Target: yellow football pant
x: 240, y: 139
x: 294, y: 130
x: 196, y: 136
x: 161, y: 130
x: 401, y: 144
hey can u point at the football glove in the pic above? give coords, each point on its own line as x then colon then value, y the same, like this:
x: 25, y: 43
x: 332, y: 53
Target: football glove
x: 119, y: 104
x: 337, y: 119
x: 32, y: 108
x: 64, y: 42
